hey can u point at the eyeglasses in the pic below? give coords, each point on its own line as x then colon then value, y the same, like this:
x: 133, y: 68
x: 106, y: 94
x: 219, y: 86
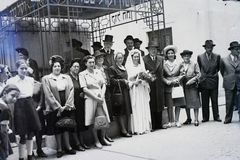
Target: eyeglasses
x: 75, y: 66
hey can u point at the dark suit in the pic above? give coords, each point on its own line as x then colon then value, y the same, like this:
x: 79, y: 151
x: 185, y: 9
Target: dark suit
x: 230, y: 70
x: 84, y: 51
x: 33, y: 64
x: 109, y: 58
x: 68, y: 58
x: 157, y: 89
x: 108, y: 62
x: 209, y: 83
x: 126, y: 53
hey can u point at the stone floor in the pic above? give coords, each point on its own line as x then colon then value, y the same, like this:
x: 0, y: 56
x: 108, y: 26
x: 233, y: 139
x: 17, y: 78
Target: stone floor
x: 209, y: 141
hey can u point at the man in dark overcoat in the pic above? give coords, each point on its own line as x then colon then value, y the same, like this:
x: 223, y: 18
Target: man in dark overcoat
x: 209, y: 64
x: 229, y: 68
x: 129, y: 42
x: 154, y: 64
x: 32, y: 64
x: 109, y: 57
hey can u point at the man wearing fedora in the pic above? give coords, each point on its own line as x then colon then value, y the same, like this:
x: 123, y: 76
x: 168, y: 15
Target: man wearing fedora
x: 229, y: 68
x: 109, y: 57
x: 209, y: 64
x: 96, y: 46
x: 32, y: 64
x: 129, y: 42
x: 154, y: 64
x: 75, y: 52
x: 137, y: 44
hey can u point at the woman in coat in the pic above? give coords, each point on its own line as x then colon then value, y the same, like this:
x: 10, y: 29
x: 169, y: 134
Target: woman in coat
x: 192, y: 74
x: 26, y: 120
x: 118, y: 74
x: 78, y: 103
x: 94, y: 87
x: 59, y: 99
x: 171, y: 78
x: 99, y: 59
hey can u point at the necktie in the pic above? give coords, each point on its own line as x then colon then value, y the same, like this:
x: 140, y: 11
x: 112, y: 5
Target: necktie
x: 108, y: 52
x: 153, y: 59
x: 235, y: 58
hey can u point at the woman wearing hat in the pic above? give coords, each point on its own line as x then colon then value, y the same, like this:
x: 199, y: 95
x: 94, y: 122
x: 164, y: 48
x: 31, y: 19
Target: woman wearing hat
x: 59, y: 98
x: 118, y: 74
x: 191, y: 73
x: 171, y: 78
x: 94, y: 87
x: 26, y: 120
x: 75, y: 68
x: 99, y: 59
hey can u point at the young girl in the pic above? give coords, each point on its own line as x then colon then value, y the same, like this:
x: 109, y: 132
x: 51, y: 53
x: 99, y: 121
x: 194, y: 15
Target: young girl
x: 26, y: 120
x: 9, y: 95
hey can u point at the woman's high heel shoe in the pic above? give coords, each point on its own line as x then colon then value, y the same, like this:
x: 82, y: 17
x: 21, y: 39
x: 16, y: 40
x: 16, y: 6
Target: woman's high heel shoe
x: 196, y: 123
x: 188, y: 121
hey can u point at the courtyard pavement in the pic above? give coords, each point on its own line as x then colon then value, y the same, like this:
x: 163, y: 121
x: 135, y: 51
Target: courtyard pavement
x: 209, y: 141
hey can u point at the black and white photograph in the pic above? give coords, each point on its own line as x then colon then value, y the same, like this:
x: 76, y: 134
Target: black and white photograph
x: 119, y: 79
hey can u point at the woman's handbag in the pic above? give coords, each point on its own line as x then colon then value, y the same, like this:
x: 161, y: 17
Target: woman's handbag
x: 177, y: 92
x: 117, y: 97
x: 101, y: 121
x: 66, y: 122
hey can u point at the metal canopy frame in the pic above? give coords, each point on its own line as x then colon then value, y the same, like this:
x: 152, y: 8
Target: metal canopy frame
x: 90, y: 17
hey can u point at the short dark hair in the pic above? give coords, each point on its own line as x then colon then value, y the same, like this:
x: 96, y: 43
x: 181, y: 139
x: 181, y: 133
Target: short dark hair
x: 85, y: 60
x: 56, y: 58
x: 166, y: 56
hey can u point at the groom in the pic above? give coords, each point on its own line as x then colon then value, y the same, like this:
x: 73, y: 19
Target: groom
x: 154, y: 64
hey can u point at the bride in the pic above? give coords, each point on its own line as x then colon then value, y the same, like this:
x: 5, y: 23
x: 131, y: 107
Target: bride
x: 139, y: 94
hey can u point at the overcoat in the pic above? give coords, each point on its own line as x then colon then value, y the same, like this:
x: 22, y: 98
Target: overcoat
x: 230, y: 72
x: 109, y: 58
x: 209, y: 70
x: 33, y: 64
x: 157, y: 86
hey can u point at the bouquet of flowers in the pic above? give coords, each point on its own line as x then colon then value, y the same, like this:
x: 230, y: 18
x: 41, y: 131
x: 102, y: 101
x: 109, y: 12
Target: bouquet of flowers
x: 146, y: 76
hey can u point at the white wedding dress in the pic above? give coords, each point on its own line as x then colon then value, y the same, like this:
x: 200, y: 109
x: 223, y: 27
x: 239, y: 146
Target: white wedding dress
x: 140, y: 120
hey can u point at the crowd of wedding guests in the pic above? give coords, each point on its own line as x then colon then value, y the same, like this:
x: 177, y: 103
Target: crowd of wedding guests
x: 89, y: 91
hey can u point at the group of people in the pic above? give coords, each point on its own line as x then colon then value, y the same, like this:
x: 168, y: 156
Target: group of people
x: 68, y: 104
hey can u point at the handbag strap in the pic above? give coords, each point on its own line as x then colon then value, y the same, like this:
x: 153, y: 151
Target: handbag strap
x: 120, y: 89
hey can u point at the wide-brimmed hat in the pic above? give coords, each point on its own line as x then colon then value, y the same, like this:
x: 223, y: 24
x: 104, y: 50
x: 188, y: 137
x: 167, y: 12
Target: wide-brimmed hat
x: 97, y: 44
x: 23, y: 51
x: 135, y: 40
x: 186, y: 52
x: 172, y: 47
x: 233, y: 44
x: 75, y: 42
x: 97, y: 53
x: 108, y: 38
x: 208, y: 43
x: 129, y: 37
x: 152, y: 44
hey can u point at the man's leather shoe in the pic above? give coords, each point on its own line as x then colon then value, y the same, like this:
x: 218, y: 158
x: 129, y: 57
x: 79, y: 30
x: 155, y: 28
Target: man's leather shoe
x: 71, y: 151
x: 205, y: 120
x: 226, y: 122
x: 41, y: 153
x: 125, y: 134
x: 59, y: 154
x: 218, y: 120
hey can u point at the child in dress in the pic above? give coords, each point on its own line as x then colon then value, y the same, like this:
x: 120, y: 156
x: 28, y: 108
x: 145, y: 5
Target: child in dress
x: 9, y: 95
